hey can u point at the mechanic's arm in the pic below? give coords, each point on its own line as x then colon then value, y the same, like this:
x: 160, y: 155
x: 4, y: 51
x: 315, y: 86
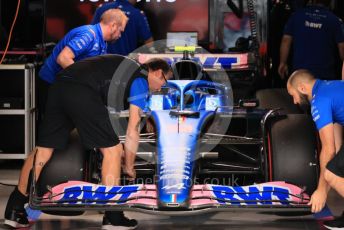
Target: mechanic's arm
x: 66, y: 57
x: 284, y: 53
x: 132, y: 139
x: 328, y: 151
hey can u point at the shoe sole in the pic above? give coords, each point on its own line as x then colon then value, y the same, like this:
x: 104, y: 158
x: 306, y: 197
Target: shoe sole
x: 334, y: 228
x: 14, y: 224
x: 112, y: 227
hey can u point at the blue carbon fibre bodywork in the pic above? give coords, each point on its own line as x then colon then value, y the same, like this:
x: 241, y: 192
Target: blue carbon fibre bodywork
x: 178, y: 134
x: 176, y: 153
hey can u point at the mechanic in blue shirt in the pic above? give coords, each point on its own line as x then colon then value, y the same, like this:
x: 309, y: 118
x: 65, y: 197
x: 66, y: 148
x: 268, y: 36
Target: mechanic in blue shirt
x: 135, y: 32
x: 79, y: 43
x: 327, y: 106
x: 82, y: 42
x: 160, y: 72
x: 314, y: 32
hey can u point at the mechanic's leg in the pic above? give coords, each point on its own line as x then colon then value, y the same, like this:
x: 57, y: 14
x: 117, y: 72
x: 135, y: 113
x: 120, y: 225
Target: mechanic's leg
x: 43, y: 155
x: 335, y: 181
x: 25, y: 172
x: 15, y: 214
x: 111, y: 172
x: 111, y: 166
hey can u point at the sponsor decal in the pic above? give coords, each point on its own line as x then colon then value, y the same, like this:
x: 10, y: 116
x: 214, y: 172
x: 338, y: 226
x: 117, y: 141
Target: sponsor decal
x: 253, y: 195
x: 97, y: 194
x: 174, y: 176
x: 172, y: 170
x: 175, y: 186
x: 209, y: 62
x: 313, y: 25
x: 317, y: 117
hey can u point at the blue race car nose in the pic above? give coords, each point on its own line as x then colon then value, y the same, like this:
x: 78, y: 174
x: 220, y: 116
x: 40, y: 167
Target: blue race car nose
x: 176, y: 148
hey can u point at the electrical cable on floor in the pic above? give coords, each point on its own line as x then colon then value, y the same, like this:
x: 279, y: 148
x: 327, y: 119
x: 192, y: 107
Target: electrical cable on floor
x: 8, y: 185
x: 10, y: 35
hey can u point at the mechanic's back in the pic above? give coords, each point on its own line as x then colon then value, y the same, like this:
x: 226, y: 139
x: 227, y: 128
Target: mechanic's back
x: 316, y: 34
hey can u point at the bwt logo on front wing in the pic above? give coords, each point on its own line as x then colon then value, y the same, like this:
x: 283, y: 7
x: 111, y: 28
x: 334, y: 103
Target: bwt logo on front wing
x: 170, y: 1
x: 97, y: 194
x: 251, y: 195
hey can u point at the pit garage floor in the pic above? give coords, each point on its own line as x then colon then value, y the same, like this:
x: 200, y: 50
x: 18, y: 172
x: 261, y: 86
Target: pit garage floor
x: 9, y: 172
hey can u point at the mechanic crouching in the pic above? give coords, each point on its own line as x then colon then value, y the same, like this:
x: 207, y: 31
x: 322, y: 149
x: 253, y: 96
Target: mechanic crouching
x: 327, y: 107
x: 76, y: 101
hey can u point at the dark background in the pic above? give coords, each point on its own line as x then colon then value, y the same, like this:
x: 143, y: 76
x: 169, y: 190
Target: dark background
x: 43, y: 21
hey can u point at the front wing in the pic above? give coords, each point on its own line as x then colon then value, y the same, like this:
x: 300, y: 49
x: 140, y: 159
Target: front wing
x: 265, y: 197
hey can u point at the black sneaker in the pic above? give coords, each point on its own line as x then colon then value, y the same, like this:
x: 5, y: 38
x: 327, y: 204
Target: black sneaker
x: 15, y: 214
x: 336, y: 224
x: 117, y: 220
x: 17, y: 219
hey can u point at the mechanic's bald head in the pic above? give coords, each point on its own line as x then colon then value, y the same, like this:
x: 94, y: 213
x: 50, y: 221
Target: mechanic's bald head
x: 300, y: 85
x: 113, y: 23
x: 300, y: 76
x: 114, y: 16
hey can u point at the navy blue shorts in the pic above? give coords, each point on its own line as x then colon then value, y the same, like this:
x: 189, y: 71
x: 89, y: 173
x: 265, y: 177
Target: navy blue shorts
x: 336, y: 165
x: 71, y: 105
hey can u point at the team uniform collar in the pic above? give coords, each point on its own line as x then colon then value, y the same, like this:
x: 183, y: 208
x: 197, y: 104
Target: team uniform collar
x: 99, y: 32
x: 315, y: 87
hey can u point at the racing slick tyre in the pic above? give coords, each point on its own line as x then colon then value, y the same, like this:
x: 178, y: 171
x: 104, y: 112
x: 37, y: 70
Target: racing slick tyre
x: 293, y: 151
x: 277, y: 98
x: 64, y: 165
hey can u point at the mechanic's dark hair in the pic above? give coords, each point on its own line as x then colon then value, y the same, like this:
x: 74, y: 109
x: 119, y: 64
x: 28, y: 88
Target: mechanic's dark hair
x: 325, y: 3
x: 156, y: 64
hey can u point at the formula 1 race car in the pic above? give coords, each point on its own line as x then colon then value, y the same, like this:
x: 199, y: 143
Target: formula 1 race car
x: 207, y: 153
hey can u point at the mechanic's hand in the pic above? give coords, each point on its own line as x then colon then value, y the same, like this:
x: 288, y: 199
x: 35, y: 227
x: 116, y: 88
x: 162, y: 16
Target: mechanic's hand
x: 283, y: 70
x: 318, y: 200
x: 150, y: 127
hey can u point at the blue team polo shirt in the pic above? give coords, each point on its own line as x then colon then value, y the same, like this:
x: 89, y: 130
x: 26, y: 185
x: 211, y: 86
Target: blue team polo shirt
x: 316, y: 32
x: 328, y: 103
x: 85, y: 41
x: 137, y: 29
x: 139, y: 92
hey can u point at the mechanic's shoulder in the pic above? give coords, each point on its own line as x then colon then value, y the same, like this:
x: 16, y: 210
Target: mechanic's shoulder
x: 140, y: 80
x: 335, y: 18
x: 320, y: 99
x: 90, y: 31
x: 298, y: 14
